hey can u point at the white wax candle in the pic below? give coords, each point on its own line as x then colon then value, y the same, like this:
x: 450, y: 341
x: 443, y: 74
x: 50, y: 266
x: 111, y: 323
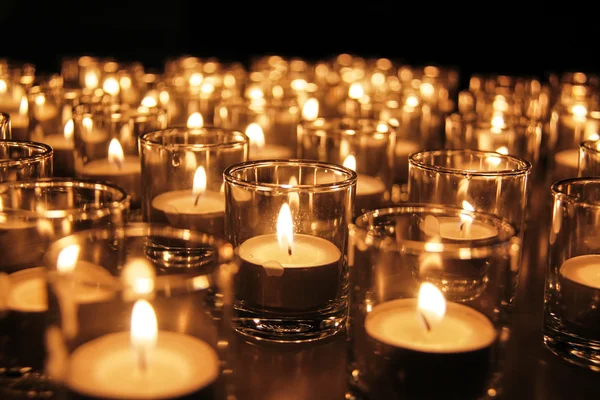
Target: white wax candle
x: 368, y: 186
x: 102, y: 167
x: 180, y: 202
x: 269, y: 152
x: 308, y: 252
x: 462, y: 329
x: 27, y: 291
x: 567, y: 158
x: 58, y: 142
x: 454, y: 228
x: 107, y: 368
x: 584, y: 270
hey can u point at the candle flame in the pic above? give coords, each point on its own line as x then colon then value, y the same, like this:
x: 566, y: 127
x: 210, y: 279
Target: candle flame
x: 40, y: 100
x: 111, y: 86
x: 23, y: 106
x: 465, y: 217
x: 256, y: 135
x: 68, y: 130
x: 115, y: 153
x: 310, y: 109
x: 356, y: 91
x: 431, y: 305
x: 3, y: 86
x: 148, y: 101
x: 199, y: 185
x: 196, y: 79
x: 285, y: 229
x: 91, y: 80
x: 138, y: 277
x: 350, y: 162
x: 293, y: 197
x: 412, y: 101
x: 195, y: 121
x: 67, y: 258
x: 298, y: 85
x: 579, y: 111
x: 144, y: 327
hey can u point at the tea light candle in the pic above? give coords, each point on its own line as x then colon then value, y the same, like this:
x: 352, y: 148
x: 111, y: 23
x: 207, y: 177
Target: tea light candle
x: 286, y: 270
x: 62, y: 144
x: 457, y: 228
x: 168, y: 364
x: 259, y: 150
x: 584, y: 270
x: 370, y: 190
x: 196, y: 208
x: 414, y: 341
x: 19, y: 122
x: 579, y: 279
x: 124, y: 171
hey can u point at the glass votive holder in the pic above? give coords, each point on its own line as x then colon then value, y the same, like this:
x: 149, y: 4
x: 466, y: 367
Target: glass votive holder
x: 276, y: 118
x: 589, y: 158
x: 106, y: 143
x: 427, y: 302
x: 182, y: 175
x: 135, y: 320
x: 5, y: 132
x: 20, y: 160
x: 363, y: 145
x: 13, y: 101
x: 32, y: 214
x: 288, y: 220
x: 483, y: 181
x: 572, y: 291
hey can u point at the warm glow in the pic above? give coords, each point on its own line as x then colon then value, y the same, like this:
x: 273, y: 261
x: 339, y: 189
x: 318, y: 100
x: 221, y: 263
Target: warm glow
x: 125, y: 82
x: 255, y: 134
x: 164, y: 97
x: 199, y: 185
x: 412, y: 101
x: 91, y: 80
x: 144, y: 327
x: 68, y: 130
x: 207, y: 87
x: 431, y: 304
x: 138, y: 275
x: 310, y: 110
x: 593, y: 136
x: 111, y: 86
x: 195, y: 121
x: 356, y: 91
x: 502, y: 150
x: 350, y: 162
x: 255, y: 93
x: 87, y: 123
x: 377, y: 79
x: 115, y: 152
x: 293, y: 197
x: 23, y: 106
x: 67, y: 258
x: 465, y: 217
x: 149, y: 102
x: 497, y: 123
x: 579, y: 111
x: 427, y: 89
x: 500, y: 104
x: 285, y: 229
x: 196, y: 79
x: 3, y: 86
x: 40, y: 100
x: 277, y: 92
x: 298, y: 85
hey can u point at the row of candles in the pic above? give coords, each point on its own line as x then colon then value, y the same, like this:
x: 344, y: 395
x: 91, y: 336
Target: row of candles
x: 289, y: 219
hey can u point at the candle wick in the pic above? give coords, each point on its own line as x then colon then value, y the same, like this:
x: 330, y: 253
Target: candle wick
x: 197, y: 198
x: 290, y: 251
x: 427, y: 324
x: 142, y: 361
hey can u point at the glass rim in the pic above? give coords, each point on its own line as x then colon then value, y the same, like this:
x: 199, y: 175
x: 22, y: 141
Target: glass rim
x: 335, y: 130
x: 225, y: 251
x: 45, y: 152
x: 416, y: 160
x: 145, y: 139
x: 125, y: 112
x: 120, y: 204
x: 558, y: 192
x: 229, y: 178
x: 590, y: 145
x: 472, y: 248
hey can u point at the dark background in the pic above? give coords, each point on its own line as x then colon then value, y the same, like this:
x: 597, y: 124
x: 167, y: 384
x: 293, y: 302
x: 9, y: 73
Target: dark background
x: 134, y: 30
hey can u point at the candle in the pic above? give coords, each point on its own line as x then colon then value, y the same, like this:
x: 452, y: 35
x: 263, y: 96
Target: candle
x: 197, y: 208
x: 458, y: 228
x: 579, y: 287
x: 19, y: 122
x: 124, y: 171
x: 370, y: 190
x: 145, y: 363
x: 62, y: 144
x: 261, y: 151
x: 414, y: 342
x: 288, y: 271
x: 566, y: 163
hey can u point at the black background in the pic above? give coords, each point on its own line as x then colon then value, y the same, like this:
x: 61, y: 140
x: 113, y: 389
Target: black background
x: 134, y: 30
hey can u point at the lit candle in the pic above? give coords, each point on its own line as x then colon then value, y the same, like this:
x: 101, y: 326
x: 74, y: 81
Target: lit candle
x: 145, y: 363
x: 19, y: 122
x: 261, y: 151
x: 42, y: 110
x: 62, y: 144
x: 124, y: 171
x: 458, y: 228
x: 370, y: 190
x: 197, y: 208
x: 288, y: 271
x: 310, y: 110
x: 413, y: 342
x: 579, y: 287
